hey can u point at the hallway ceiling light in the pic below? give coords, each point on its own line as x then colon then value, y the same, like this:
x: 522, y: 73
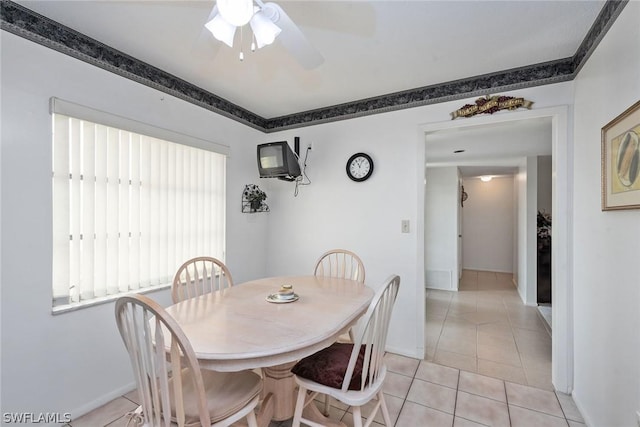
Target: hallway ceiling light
x: 486, y: 178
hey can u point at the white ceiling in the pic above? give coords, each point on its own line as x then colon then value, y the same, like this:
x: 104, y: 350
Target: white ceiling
x: 370, y: 48
x: 496, y: 149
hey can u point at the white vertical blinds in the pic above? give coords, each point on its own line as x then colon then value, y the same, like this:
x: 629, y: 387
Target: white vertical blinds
x: 129, y: 209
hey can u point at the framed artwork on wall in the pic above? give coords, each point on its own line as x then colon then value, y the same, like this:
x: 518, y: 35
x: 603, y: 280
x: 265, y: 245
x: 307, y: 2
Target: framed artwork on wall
x: 621, y: 161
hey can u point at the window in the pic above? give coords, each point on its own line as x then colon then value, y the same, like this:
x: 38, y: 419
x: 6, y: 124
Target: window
x: 128, y: 208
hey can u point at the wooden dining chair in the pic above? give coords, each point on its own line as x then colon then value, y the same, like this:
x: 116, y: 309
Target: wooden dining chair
x: 351, y: 373
x: 343, y: 264
x: 340, y: 263
x: 171, y: 387
x: 199, y: 276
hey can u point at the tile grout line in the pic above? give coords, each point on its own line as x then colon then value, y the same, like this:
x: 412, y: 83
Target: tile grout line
x: 506, y: 399
x: 455, y: 403
x: 561, y: 407
x: 404, y: 400
x: 515, y: 341
x: 413, y: 378
x: 446, y: 316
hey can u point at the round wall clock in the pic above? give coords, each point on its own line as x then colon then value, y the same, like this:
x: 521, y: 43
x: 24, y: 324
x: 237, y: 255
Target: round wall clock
x: 359, y: 167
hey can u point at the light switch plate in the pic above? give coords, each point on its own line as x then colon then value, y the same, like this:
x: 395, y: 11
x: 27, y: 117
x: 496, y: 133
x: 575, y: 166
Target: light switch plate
x: 405, y: 226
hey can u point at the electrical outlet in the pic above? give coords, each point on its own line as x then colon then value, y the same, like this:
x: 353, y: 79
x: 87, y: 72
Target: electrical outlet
x: 310, y: 146
x: 405, y: 226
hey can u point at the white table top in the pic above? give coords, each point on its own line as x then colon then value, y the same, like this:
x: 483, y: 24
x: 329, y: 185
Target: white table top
x: 238, y: 329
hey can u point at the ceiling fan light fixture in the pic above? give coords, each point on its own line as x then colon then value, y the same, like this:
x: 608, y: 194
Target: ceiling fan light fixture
x: 264, y: 30
x: 221, y: 29
x: 267, y: 21
x: 236, y: 12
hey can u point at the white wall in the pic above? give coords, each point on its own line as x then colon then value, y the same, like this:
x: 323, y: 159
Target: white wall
x: 607, y: 244
x: 488, y: 225
x: 515, y: 197
x: 521, y: 230
x: 531, y: 242
x: 527, y: 183
x: 441, y: 228
x: 335, y: 212
x: 76, y: 361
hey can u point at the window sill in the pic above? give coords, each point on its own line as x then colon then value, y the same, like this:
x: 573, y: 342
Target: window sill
x: 66, y: 308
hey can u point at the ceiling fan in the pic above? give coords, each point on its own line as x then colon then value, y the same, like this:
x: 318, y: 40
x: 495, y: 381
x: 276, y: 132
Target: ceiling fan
x: 267, y: 21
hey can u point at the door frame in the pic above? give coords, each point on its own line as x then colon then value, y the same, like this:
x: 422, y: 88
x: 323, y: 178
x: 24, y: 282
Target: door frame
x: 562, y: 237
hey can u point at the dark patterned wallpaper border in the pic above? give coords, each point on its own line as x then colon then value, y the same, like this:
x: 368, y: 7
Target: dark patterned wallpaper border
x: 25, y: 23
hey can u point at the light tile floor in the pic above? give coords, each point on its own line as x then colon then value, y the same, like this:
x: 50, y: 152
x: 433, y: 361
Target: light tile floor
x: 485, y: 328
x: 488, y: 364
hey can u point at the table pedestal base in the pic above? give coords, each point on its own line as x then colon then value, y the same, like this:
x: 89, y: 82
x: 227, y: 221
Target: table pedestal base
x: 279, y: 381
x: 280, y: 385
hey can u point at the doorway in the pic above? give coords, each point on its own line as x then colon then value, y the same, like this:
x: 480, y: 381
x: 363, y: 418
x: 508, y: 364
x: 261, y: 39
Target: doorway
x: 562, y: 369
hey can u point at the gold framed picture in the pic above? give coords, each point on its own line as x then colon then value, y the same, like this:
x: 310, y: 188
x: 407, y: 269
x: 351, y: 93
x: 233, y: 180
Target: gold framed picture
x: 621, y: 161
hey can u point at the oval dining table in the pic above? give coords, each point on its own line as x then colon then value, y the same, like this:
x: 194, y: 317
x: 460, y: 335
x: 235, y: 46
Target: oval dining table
x: 238, y: 328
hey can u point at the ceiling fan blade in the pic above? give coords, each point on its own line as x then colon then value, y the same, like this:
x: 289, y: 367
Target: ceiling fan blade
x: 292, y: 38
x: 356, y: 18
x: 205, y: 46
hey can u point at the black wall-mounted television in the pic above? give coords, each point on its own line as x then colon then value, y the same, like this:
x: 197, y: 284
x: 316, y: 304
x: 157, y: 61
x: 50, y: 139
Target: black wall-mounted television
x: 276, y: 160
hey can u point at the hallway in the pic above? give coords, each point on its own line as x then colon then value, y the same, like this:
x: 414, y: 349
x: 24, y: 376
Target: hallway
x: 485, y: 328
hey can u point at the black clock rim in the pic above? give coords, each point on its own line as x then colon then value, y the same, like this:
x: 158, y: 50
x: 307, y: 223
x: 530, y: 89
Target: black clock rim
x: 352, y: 158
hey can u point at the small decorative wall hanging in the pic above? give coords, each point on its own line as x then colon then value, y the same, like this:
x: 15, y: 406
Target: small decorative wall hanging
x: 491, y: 104
x: 463, y: 196
x: 253, y: 199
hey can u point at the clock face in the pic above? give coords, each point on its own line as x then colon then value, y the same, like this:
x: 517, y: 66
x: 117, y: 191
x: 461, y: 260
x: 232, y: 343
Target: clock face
x: 359, y: 167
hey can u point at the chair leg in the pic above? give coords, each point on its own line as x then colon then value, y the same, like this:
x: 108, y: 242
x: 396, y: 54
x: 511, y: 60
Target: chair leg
x: 385, y: 410
x: 251, y: 419
x: 297, y: 414
x: 357, y: 416
x: 266, y: 411
x: 326, y: 405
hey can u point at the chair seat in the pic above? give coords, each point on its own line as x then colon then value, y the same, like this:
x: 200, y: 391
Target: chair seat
x: 329, y: 366
x: 349, y: 397
x: 226, y: 394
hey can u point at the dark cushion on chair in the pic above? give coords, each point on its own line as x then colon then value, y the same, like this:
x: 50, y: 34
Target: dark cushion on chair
x: 328, y: 366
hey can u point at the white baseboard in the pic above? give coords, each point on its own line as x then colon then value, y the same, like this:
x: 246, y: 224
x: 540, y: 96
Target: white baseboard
x: 404, y: 352
x: 102, y: 400
x: 580, y: 406
x: 489, y: 270
x: 439, y: 279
